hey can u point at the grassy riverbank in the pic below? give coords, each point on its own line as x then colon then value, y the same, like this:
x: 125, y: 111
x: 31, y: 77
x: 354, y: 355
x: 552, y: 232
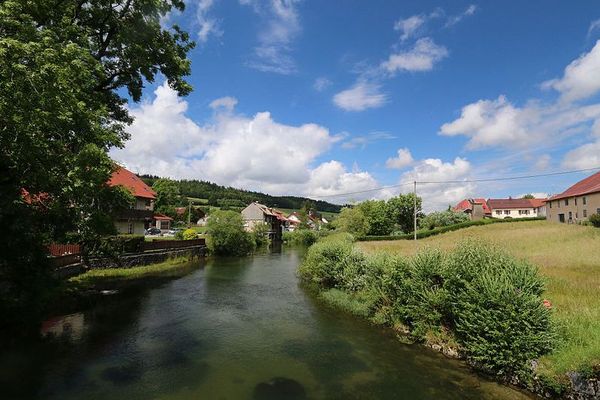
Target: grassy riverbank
x: 567, y: 256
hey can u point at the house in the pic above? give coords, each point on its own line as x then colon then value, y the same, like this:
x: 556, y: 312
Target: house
x: 515, y: 208
x: 576, y: 203
x: 256, y: 213
x: 141, y: 214
x: 162, y: 221
x: 474, y: 208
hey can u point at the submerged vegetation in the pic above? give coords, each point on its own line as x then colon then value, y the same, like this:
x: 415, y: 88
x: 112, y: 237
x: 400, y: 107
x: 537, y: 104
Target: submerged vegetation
x: 487, y: 302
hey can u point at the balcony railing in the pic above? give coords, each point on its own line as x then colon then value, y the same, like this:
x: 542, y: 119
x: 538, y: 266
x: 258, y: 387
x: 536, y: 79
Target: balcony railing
x: 133, y: 214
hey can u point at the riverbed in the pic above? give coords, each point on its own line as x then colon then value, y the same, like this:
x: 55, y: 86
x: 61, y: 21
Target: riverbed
x: 239, y: 328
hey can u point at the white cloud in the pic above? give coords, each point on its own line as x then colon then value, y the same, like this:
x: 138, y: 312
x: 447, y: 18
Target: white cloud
x: 586, y: 156
x: 543, y: 162
x: 361, y: 96
x: 228, y: 103
x: 402, y: 160
x: 255, y: 152
x: 409, y: 26
x: 208, y: 26
x: 594, y: 25
x: 581, y: 78
x: 282, y: 25
x: 364, y: 140
x: 455, y: 19
x: 421, y: 57
x: 321, y: 84
x: 438, y: 196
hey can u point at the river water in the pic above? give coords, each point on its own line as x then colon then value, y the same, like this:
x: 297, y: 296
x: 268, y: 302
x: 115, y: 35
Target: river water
x: 231, y: 329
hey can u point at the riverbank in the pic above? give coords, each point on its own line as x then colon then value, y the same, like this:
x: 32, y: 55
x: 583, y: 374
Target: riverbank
x: 573, y: 358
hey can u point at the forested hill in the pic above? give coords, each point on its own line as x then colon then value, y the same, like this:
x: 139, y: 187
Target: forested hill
x: 218, y: 195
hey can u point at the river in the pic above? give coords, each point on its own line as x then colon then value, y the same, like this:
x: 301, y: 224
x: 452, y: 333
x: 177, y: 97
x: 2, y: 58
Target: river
x: 231, y: 329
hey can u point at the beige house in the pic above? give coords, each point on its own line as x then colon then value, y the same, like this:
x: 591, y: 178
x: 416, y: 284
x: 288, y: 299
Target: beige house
x: 516, y: 208
x: 256, y: 214
x: 576, y: 203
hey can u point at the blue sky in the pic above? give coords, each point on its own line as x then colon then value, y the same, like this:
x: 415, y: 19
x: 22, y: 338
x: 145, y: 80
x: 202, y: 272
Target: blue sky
x: 322, y: 98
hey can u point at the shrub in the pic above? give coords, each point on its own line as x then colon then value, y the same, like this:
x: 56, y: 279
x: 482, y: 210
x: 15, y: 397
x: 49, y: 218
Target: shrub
x: 443, y: 218
x: 113, y: 246
x: 304, y: 237
x: 324, y: 263
x: 594, y: 219
x: 260, y: 234
x: 189, y: 234
x: 227, y: 234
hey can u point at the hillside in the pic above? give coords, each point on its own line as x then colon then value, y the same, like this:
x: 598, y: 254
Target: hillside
x: 219, y: 195
x: 567, y: 255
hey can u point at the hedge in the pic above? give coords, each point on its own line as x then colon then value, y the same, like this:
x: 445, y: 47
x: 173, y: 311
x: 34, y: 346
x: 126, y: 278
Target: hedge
x: 426, y: 233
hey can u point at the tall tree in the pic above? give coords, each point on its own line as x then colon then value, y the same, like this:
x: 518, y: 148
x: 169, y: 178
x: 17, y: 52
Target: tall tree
x: 167, y: 194
x: 402, y: 209
x: 64, y: 67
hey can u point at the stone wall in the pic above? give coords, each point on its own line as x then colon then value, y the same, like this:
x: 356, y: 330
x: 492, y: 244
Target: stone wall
x: 146, y: 258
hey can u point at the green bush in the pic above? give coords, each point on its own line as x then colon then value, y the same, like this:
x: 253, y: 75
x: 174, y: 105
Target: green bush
x: 260, y: 234
x: 189, y: 234
x: 594, y: 219
x: 443, y: 218
x: 487, y: 301
x: 227, y: 235
x: 304, y: 237
x: 113, y: 246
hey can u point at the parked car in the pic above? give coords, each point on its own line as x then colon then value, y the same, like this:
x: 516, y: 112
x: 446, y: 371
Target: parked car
x: 172, y: 232
x: 153, y: 232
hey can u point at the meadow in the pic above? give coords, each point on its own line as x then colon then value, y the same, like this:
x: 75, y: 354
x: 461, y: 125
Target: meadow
x: 568, y: 256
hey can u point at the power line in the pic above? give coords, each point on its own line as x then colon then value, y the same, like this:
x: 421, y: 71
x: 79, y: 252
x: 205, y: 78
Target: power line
x: 506, y: 178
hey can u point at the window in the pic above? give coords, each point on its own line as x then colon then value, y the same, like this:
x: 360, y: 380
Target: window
x: 575, y: 200
x: 164, y: 224
x: 130, y: 228
x: 506, y: 212
x: 570, y: 215
x: 584, y: 200
x: 597, y: 210
x: 584, y: 213
x: 576, y: 215
x: 498, y: 212
x: 550, y: 204
x: 523, y: 212
x: 566, y: 202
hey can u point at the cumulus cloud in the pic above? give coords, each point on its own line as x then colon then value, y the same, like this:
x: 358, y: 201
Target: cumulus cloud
x: 437, y: 196
x: 586, y: 156
x: 255, y: 152
x: 581, y: 78
x: 361, y: 96
x: 282, y: 25
x: 321, y: 84
x: 421, y: 57
x: 403, y: 159
x: 227, y: 103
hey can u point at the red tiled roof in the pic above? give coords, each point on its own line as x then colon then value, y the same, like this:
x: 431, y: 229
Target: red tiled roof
x: 162, y: 217
x: 466, y: 205
x: 591, y: 184
x: 129, y: 180
x: 514, y: 203
x: 538, y: 202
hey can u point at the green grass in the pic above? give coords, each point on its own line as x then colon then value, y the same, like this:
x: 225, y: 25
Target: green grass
x: 568, y: 256
x: 197, y: 200
x: 172, y: 267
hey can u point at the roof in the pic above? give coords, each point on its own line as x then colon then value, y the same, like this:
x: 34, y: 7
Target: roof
x: 270, y: 211
x: 162, y: 217
x: 591, y: 184
x: 129, y: 180
x: 466, y: 205
x: 514, y: 203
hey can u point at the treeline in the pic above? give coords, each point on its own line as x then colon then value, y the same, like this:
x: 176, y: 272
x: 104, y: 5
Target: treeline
x: 217, y: 195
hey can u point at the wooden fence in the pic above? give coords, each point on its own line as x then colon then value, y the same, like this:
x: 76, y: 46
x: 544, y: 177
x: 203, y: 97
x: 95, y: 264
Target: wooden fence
x: 173, y: 244
x: 58, y: 250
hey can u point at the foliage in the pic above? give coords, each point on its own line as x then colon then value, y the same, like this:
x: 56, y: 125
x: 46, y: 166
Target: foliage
x: 167, y: 195
x: 353, y: 221
x: 227, y: 234
x: 63, y: 68
x: 487, y: 301
x: 594, y: 219
x: 189, y: 234
x: 401, y: 210
x: 442, y: 218
x: 381, y: 221
x: 528, y: 196
x: 113, y: 246
x: 260, y: 234
x: 216, y: 193
x: 304, y: 237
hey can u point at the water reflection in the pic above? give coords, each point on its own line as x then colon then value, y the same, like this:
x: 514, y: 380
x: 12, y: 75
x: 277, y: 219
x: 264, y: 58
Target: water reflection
x: 235, y: 329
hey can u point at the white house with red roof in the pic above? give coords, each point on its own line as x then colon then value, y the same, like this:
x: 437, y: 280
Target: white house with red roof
x: 576, y: 203
x: 474, y: 208
x: 141, y: 215
x: 516, y: 208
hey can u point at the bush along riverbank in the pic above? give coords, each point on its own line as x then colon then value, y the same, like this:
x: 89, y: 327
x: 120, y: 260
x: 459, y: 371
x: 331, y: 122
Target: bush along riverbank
x: 475, y: 302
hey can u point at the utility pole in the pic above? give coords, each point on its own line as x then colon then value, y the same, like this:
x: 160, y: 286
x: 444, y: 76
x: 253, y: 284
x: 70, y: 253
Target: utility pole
x: 415, y: 209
